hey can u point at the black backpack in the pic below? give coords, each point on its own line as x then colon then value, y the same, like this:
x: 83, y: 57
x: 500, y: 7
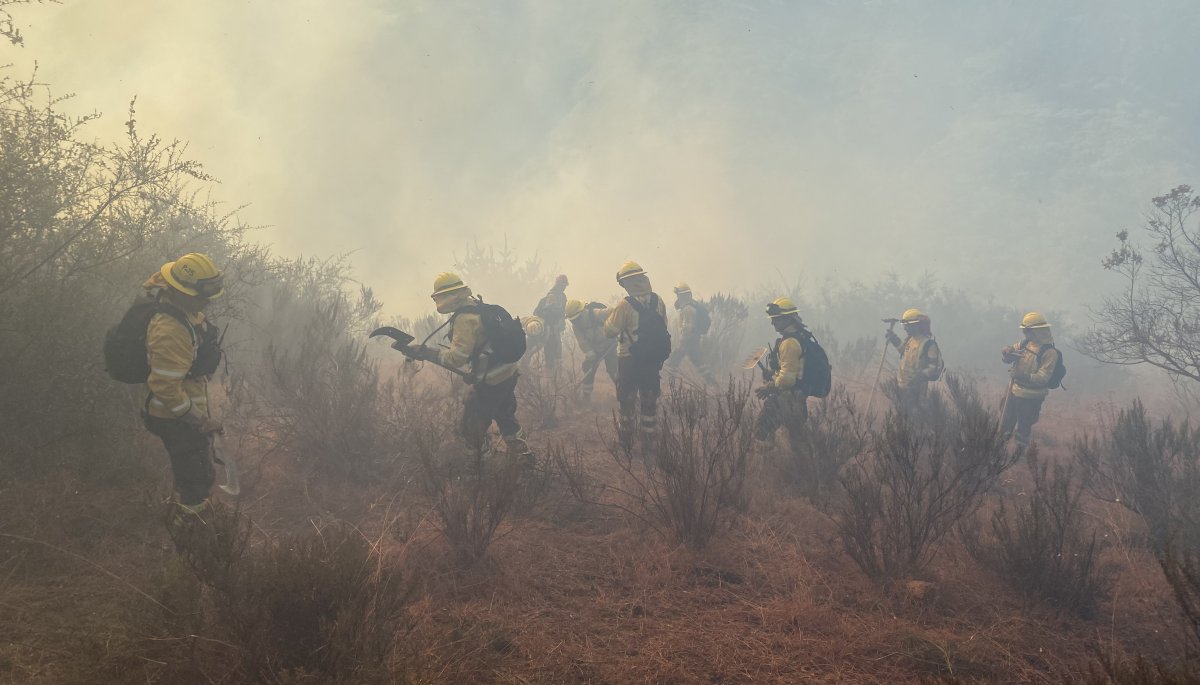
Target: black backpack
x: 125, y: 344
x: 925, y: 353
x: 653, y: 344
x: 503, y: 333
x: 551, y: 312
x: 817, y: 380
x: 1060, y: 369
x: 703, y: 318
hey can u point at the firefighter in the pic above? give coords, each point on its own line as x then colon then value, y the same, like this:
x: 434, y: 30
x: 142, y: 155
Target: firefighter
x: 639, y: 323
x: 920, y: 359
x: 587, y: 323
x: 535, y: 338
x: 784, y: 402
x: 693, y: 325
x: 492, y: 395
x: 552, y: 310
x: 183, y: 351
x: 1033, y: 361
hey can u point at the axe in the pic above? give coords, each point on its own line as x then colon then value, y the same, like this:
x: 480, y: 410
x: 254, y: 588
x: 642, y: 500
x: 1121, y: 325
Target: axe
x: 402, y: 343
x: 233, y: 484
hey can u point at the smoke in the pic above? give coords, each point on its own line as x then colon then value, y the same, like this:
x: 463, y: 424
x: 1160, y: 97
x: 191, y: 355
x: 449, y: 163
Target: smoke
x: 725, y: 144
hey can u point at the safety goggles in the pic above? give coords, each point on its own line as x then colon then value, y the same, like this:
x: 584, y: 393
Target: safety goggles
x: 774, y: 310
x: 209, y: 287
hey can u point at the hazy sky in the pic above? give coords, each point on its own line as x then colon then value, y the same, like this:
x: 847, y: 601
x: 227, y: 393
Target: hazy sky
x: 998, y: 144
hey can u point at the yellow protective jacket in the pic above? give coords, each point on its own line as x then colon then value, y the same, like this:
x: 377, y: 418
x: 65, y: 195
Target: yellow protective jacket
x: 552, y: 310
x: 588, y: 328
x: 622, y: 321
x: 788, y: 362
x: 1030, y: 379
x: 468, y: 346
x: 687, y: 321
x: 920, y: 361
x: 171, y: 349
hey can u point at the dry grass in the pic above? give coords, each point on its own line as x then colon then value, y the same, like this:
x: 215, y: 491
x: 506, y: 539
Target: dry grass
x: 568, y: 594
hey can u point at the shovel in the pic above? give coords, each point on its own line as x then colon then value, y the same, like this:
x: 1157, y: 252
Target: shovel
x: 232, y: 485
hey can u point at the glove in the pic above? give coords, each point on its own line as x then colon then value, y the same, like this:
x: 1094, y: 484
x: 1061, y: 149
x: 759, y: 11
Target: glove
x: 893, y: 339
x: 420, y: 353
x: 765, y: 391
x: 210, y: 425
x: 206, y: 424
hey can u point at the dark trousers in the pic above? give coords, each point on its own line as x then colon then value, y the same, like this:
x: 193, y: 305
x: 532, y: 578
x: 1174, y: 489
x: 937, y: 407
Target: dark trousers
x: 788, y: 410
x: 1020, y: 413
x: 191, y: 457
x: 638, y: 387
x: 688, y: 348
x: 913, y: 398
x: 488, y: 403
x: 610, y: 367
x: 552, y: 348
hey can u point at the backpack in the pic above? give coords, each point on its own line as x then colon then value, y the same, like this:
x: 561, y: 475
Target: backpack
x: 548, y: 310
x: 1060, y: 369
x: 125, y: 343
x: 502, y: 332
x: 703, y: 318
x: 817, y: 380
x: 653, y: 344
x: 925, y: 351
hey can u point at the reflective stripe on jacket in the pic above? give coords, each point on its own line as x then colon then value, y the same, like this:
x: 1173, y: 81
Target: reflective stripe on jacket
x: 790, y: 355
x: 171, y: 350
x: 920, y: 361
x: 588, y: 328
x: 1030, y: 379
x: 468, y: 346
x: 622, y: 321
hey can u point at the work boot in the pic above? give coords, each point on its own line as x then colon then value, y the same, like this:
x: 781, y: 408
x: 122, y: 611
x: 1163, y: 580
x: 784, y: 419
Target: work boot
x: 187, y: 522
x: 625, y: 431
x: 519, y: 449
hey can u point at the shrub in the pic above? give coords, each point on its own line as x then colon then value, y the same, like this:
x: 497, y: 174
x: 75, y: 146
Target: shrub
x: 916, y: 481
x: 471, y: 493
x: 693, y: 475
x: 1041, y: 546
x: 81, y: 227
x: 1153, y: 470
x: 836, y: 432
x: 723, y: 346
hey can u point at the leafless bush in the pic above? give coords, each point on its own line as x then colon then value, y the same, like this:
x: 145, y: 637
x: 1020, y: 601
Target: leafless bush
x: 81, y: 227
x: 836, y: 433
x: 471, y: 492
x: 1155, y: 317
x: 916, y: 482
x: 541, y: 392
x: 693, y: 475
x: 1041, y: 546
x: 324, y: 400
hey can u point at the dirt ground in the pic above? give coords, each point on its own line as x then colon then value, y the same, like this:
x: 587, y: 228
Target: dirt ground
x: 587, y: 593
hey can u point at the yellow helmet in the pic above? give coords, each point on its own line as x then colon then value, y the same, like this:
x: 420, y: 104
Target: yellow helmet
x: 533, y: 325
x: 912, y: 315
x: 194, y: 274
x: 782, y: 306
x: 574, y: 309
x: 681, y: 288
x: 1034, y: 320
x: 447, y: 282
x: 629, y: 269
